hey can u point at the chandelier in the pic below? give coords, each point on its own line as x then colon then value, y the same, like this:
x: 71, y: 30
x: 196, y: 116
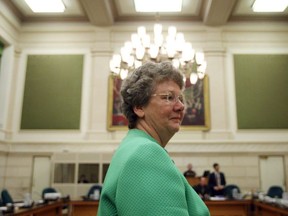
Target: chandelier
x: 156, y: 48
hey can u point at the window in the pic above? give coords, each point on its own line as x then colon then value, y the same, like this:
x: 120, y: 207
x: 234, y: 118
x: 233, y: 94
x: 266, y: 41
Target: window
x: 88, y: 173
x: 64, y: 173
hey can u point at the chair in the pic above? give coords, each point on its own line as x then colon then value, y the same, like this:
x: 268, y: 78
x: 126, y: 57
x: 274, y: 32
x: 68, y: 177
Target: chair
x: 206, y: 173
x: 193, y: 181
x: 93, y: 189
x: 53, y: 190
x: 48, y: 190
x: 6, y: 198
x: 228, y: 191
x: 275, y: 191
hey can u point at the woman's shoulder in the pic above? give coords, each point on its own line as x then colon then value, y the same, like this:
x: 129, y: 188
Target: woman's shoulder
x: 140, y: 146
x: 139, y: 149
x: 137, y: 139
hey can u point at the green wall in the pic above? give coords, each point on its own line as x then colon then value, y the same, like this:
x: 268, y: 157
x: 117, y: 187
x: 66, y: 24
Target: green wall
x: 261, y: 83
x: 52, y: 94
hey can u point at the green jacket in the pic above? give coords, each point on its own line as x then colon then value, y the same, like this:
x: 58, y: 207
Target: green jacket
x: 143, y: 180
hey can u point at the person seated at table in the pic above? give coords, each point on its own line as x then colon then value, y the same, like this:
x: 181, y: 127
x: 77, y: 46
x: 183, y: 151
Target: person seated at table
x: 217, y: 181
x: 189, y: 172
x: 202, y: 189
x: 83, y: 179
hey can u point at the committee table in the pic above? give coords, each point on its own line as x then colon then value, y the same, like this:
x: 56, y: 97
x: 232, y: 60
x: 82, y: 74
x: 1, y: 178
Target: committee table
x: 90, y: 208
x: 48, y: 209
x: 80, y: 207
x: 265, y: 209
x: 216, y: 208
x: 229, y: 207
x: 83, y: 207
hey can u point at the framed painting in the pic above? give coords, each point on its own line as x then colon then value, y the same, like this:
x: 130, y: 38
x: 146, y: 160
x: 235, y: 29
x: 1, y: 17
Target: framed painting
x: 197, y: 115
x: 115, y: 119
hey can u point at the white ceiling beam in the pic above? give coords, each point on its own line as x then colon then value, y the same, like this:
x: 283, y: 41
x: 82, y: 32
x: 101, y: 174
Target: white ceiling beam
x: 99, y: 12
x: 217, y: 12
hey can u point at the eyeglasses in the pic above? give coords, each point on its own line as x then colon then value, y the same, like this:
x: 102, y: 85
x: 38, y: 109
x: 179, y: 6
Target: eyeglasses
x: 170, y: 97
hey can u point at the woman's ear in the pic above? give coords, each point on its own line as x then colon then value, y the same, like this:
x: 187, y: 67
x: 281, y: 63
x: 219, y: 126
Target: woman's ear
x: 139, y: 111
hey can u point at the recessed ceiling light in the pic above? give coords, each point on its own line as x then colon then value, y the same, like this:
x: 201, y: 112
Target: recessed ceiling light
x: 158, y: 5
x: 48, y: 6
x: 269, y: 5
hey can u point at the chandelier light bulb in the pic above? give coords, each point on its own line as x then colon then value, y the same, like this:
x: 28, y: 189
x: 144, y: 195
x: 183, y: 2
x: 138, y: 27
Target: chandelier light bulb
x: 193, y: 78
x: 128, y: 46
x: 116, y: 60
x: 141, y: 31
x: 135, y: 40
x: 157, y: 29
x: 137, y: 63
x: 184, y: 78
x: 124, y: 54
x: 172, y: 31
x: 176, y: 63
x: 146, y: 41
x: 112, y: 65
x: 200, y: 74
x: 199, y: 57
x: 153, y: 51
x: 188, y: 52
x: 158, y: 40
x: 170, y: 51
x: 170, y: 40
x: 131, y: 61
x: 180, y: 42
x: 123, y: 74
x: 202, y: 67
x: 140, y: 51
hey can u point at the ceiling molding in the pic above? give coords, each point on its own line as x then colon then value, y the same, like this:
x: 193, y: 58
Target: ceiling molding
x: 17, y: 12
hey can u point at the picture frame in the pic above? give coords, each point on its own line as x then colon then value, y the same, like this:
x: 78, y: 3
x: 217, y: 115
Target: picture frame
x: 197, y: 115
x: 115, y: 119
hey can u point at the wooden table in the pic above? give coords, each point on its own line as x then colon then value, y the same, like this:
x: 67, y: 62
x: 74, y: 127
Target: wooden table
x: 50, y: 209
x: 83, y: 207
x: 229, y: 207
x: 217, y: 208
x: 265, y: 209
x: 193, y: 181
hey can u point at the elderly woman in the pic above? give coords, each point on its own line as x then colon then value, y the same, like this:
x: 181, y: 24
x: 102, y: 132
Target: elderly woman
x: 142, y: 179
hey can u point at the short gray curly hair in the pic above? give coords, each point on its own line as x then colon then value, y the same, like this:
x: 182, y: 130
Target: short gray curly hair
x: 137, y: 89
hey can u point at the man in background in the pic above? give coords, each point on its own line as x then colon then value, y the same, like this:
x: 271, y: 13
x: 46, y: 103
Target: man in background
x: 202, y: 189
x: 217, y: 181
x: 189, y: 172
